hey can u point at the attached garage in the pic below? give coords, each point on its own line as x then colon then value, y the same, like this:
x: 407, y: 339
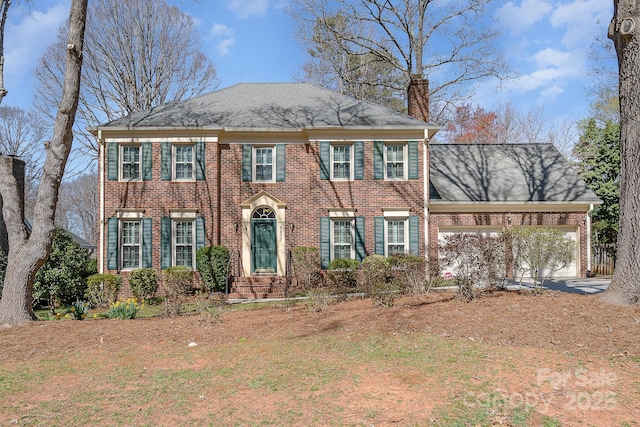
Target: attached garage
x: 489, y: 188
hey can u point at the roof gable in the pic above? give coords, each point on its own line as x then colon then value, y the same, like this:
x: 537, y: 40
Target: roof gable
x: 255, y: 106
x: 504, y: 173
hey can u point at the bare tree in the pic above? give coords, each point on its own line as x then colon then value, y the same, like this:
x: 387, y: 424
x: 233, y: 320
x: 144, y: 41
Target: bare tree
x: 450, y: 43
x: 138, y: 54
x: 78, y: 207
x: 624, y: 30
x: 28, y: 252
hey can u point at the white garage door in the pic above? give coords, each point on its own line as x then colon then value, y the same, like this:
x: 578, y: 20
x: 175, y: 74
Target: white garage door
x: 570, y: 271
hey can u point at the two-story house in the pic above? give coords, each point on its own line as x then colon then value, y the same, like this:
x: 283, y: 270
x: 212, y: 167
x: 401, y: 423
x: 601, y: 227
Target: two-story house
x: 263, y: 168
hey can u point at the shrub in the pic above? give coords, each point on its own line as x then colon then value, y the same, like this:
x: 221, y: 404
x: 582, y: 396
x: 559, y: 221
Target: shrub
x: 213, y: 264
x: 409, y: 272
x: 103, y: 289
x: 143, y: 283
x: 342, y: 275
x: 375, y: 280
x: 127, y: 309
x: 306, y: 267
x: 474, y: 259
x: 318, y: 300
x: 178, y: 281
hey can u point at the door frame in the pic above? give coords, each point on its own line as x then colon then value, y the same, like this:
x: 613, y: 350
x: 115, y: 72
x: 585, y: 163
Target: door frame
x: 274, y: 252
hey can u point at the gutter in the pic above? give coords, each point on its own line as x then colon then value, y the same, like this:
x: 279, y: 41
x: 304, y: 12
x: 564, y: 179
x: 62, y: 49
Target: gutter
x: 588, y: 225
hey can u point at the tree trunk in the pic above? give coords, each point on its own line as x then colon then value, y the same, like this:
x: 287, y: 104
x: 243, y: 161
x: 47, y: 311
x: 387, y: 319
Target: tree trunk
x: 624, y: 30
x: 28, y: 253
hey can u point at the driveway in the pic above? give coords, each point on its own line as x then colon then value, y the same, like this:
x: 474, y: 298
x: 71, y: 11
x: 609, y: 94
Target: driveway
x: 592, y: 285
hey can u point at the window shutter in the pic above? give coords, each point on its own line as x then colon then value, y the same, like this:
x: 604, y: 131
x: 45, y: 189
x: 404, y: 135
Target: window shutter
x: 165, y: 161
x: 413, y: 160
x: 200, y: 233
x: 378, y: 160
x: 247, y: 167
x: 324, y: 159
x: 360, y: 249
x: 165, y: 242
x: 358, y: 148
x: 112, y: 243
x: 146, y: 242
x: 281, y: 162
x: 325, y: 242
x: 146, y: 161
x: 200, y: 160
x: 414, y: 234
x: 112, y: 161
x: 379, y: 234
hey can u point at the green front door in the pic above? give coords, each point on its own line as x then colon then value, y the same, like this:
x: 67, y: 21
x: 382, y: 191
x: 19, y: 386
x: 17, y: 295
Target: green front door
x: 264, y: 246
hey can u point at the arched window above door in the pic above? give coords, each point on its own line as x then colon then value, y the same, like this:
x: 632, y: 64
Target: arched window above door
x: 264, y: 213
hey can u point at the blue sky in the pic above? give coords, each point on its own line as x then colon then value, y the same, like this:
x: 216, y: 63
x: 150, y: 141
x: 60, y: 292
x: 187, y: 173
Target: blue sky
x: 546, y: 41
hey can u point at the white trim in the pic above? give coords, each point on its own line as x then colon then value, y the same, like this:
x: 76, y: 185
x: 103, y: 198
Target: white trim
x: 342, y: 212
x: 396, y: 212
x: 173, y: 140
x: 102, y: 148
x: 183, y: 213
x: 129, y: 213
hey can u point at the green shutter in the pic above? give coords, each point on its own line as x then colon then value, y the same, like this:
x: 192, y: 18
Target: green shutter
x: 247, y: 167
x: 379, y: 234
x: 414, y: 234
x: 165, y: 242
x: 112, y: 243
x: 324, y: 159
x: 112, y: 161
x: 200, y: 233
x: 165, y: 161
x: 281, y: 162
x: 378, y: 160
x: 325, y: 242
x: 146, y: 242
x: 147, y: 169
x: 358, y: 148
x: 413, y: 160
x: 200, y: 160
x: 360, y: 248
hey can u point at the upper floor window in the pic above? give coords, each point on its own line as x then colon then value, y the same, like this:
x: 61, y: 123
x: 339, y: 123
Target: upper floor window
x: 395, y: 159
x: 342, y: 161
x: 130, y: 162
x: 183, y: 162
x: 264, y: 162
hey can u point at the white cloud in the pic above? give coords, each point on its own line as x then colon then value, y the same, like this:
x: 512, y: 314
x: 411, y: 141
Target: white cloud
x: 222, y: 36
x: 248, y: 8
x: 518, y: 18
x: 582, y: 19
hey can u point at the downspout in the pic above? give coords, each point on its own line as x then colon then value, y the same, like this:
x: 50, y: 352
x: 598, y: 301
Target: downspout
x: 588, y: 225
x: 425, y: 174
x: 101, y: 180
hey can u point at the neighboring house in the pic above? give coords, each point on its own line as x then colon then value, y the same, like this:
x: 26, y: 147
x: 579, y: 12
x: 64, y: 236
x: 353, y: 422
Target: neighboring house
x: 263, y: 168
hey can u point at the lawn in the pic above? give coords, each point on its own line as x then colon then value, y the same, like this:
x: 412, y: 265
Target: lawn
x: 508, y: 358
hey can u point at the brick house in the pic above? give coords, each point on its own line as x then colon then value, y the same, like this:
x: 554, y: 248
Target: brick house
x: 263, y: 168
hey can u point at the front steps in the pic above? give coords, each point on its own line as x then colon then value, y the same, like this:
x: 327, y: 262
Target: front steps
x: 257, y: 287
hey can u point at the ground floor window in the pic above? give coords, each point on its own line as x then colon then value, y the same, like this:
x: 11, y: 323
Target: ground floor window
x: 342, y: 233
x: 131, y: 244
x: 396, y: 237
x: 183, y: 243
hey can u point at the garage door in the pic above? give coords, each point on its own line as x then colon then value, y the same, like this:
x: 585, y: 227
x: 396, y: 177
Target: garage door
x: 570, y: 271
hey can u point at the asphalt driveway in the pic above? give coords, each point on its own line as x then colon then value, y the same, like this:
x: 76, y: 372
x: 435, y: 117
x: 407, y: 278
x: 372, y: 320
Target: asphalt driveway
x: 592, y: 285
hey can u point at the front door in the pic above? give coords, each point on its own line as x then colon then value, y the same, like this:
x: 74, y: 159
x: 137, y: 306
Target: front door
x: 264, y: 245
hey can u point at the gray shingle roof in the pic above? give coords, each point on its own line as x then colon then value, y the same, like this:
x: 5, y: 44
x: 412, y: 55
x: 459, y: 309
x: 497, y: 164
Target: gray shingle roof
x: 504, y: 173
x: 283, y: 106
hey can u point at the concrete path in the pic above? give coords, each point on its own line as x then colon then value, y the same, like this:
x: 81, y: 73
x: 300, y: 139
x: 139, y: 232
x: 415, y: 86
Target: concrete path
x: 593, y: 285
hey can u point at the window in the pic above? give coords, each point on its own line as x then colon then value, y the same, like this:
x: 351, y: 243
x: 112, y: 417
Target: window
x: 130, y: 162
x: 183, y: 243
x: 263, y: 161
x: 131, y: 244
x: 394, y: 161
x: 183, y: 161
x: 341, y: 168
x: 342, y: 241
x: 396, y: 237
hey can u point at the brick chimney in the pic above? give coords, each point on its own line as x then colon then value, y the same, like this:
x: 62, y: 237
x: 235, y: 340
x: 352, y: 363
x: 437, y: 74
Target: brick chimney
x: 418, y: 98
x: 18, y: 168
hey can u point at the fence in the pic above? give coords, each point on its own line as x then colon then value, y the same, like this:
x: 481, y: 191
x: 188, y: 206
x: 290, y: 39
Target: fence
x: 603, y: 260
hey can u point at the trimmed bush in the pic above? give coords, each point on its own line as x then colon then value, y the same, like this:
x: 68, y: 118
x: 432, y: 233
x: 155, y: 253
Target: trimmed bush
x: 342, y: 275
x: 213, y: 264
x: 375, y: 280
x: 143, y: 283
x: 103, y: 289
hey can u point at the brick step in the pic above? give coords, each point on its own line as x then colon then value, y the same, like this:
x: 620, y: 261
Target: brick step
x: 257, y: 287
